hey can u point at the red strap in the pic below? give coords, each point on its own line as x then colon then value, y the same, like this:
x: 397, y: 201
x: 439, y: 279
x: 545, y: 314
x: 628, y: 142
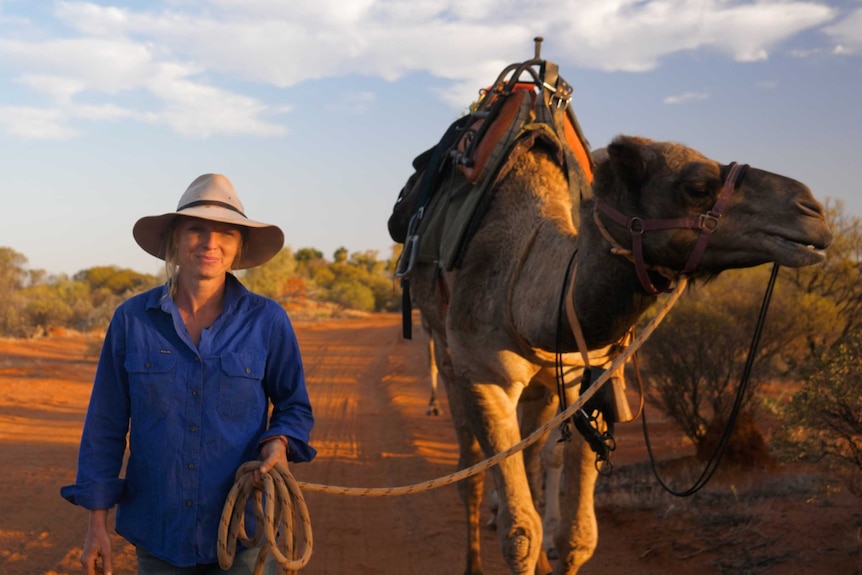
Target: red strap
x: 709, y: 221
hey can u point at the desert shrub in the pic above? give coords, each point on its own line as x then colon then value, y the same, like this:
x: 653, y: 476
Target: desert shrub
x: 12, y: 279
x: 823, y: 420
x: 694, y: 360
x: 118, y: 281
x: 63, y: 303
x: 839, y: 278
x: 352, y: 295
x: 270, y: 278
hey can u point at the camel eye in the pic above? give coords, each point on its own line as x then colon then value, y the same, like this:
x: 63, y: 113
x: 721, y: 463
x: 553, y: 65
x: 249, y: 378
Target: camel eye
x: 698, y: 190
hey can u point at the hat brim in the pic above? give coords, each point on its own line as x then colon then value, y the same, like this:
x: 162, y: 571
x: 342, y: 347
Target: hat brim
x: 262, y: 243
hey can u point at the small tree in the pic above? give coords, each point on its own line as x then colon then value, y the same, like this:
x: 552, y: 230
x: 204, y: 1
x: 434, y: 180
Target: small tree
x: 352, y: 295
x: 270, y: 278
x: 340, y: 255
x: 839, y: 278
x: 119, y: 281
x: 694, y: 361
x: 12, y: 279
x: 823, y: 421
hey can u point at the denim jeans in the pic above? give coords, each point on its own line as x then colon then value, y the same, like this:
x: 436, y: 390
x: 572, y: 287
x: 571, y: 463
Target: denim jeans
x: 243, y: 564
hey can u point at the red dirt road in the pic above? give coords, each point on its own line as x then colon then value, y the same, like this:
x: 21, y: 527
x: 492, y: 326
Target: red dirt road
x: 369, y: 389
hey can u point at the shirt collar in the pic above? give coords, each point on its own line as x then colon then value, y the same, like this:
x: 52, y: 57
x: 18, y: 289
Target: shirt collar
x: 233, y: 294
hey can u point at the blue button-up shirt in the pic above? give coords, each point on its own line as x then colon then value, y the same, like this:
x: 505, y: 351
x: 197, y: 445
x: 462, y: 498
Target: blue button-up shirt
x: 193, y: 414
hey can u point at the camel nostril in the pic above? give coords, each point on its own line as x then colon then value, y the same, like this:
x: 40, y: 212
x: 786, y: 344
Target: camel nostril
x: 810, y: 207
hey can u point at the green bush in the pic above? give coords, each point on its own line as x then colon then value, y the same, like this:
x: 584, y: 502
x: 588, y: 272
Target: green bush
x: 823, y: 420
x: 352, y: 295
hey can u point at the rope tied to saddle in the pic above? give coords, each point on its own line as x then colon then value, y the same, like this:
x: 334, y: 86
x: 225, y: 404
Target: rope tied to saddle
x: 283, y: 522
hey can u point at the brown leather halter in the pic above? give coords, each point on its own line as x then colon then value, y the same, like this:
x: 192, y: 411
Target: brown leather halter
x: 707, y: 223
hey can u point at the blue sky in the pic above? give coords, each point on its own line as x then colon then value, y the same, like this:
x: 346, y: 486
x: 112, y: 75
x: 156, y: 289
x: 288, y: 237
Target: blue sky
x: 314, y: 110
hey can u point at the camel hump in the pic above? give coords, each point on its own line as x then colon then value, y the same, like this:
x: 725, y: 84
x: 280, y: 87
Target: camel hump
x: 510, y: 117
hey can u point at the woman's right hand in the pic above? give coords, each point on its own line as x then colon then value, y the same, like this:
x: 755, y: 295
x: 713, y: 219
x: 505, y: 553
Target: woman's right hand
x: 97, y: 544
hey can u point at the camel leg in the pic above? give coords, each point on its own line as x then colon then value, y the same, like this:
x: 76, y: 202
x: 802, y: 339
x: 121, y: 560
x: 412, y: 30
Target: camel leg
x: 470, y: 489
x: 577, y: 535
x: 433, y: 405
x: 552, y: 462
x: 519, y: 526
x: 537, y: 406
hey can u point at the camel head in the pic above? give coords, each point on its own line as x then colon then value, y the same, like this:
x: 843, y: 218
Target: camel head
x: 653, y: 186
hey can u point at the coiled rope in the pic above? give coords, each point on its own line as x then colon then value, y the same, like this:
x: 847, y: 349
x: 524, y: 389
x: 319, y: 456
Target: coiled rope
x: 285, y: 506
x: 286, y: 503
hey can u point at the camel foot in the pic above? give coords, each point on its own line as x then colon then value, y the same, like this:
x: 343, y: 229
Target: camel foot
x: 543, y: 565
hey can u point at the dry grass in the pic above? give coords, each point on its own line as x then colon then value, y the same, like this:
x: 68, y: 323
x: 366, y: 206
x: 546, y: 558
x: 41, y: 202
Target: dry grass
x: 732, y: 525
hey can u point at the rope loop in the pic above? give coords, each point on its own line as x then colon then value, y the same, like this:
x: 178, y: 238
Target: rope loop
x: 279, y: 503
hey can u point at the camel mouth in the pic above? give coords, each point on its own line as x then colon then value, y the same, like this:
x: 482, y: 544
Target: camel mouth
x: 795, y: 253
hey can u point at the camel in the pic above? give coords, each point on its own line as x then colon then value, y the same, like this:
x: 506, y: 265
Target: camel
x: 496, y: 327
x: 433, y: 404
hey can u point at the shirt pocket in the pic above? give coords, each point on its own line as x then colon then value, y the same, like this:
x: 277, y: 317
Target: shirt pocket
x: 240, y: 390
x: 151, y: 382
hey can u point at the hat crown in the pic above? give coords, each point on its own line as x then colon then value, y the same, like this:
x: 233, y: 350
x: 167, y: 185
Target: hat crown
x: 211, y: 189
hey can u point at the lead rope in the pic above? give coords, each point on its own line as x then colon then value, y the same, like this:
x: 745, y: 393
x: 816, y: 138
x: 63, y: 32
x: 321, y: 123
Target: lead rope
x: 721, y: 448
x: 283, y: 522
x: 284, y: 493
x: 526, y: 442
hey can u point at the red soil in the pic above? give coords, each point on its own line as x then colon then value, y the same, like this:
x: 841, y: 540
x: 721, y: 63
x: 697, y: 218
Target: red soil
x: 369, y: 389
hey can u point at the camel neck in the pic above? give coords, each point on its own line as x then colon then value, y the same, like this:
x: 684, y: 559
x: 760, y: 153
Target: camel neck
x: 607, y: 296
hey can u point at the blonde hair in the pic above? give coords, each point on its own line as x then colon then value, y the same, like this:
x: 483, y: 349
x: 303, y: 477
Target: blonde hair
x: 172, y: 264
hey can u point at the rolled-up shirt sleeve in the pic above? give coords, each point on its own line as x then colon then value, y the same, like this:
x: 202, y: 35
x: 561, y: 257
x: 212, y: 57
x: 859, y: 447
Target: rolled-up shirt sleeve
x: 284, y: 381
x: 103, y: 442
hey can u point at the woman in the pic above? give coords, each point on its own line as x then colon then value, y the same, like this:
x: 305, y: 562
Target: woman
x: 187, y: 371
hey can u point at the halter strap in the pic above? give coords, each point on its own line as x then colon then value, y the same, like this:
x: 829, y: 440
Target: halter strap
x: 707, y: 223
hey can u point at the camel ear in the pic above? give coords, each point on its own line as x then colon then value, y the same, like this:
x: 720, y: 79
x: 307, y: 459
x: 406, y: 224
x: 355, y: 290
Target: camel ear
x: 599, y: 155
x: 628, y: 160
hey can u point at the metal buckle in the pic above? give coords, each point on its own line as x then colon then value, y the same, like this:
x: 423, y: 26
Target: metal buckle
x: 636, y: 226
x: 411, y: 245
x: 707, y: 222
x: 408, y: 256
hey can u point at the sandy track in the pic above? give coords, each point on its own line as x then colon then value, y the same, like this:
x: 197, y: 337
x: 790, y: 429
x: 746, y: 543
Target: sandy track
x: 369, y: 389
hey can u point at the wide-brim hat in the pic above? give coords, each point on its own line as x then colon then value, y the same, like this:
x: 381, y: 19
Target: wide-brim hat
x: 212, y: 197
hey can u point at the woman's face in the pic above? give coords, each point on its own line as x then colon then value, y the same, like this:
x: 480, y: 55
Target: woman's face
x: 206, y: 249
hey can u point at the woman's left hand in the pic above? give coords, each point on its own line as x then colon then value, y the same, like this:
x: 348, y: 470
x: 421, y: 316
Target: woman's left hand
x: 271, y: 453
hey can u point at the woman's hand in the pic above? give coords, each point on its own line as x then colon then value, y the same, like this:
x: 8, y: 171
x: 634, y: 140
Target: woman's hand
x: 272, y: 452
x: 97, y: 544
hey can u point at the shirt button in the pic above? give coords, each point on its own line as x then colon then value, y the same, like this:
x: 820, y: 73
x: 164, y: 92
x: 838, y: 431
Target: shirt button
x: 148, y: 365
x: 193, y: 428
x: 195, y: 393
x: 189, y: 503
x: 248, y: 370
x: 191, y: 465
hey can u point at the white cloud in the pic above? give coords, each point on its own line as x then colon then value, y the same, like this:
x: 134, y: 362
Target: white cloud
x: 686, y: 97
x: 101, y: 112
x: 58, y: 88
x: 185, y: 56
x: 35, y: 123
x: 357, y: 102
x: 848, y: 33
